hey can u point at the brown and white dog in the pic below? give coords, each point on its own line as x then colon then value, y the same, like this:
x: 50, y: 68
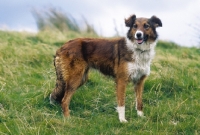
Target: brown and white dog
x: 126, y: 59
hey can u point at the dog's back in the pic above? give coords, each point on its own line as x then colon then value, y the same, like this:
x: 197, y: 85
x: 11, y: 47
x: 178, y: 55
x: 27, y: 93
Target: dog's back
x: 102, y: 54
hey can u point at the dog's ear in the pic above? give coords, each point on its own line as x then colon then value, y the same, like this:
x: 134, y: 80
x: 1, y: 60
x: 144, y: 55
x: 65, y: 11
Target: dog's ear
x: 156, y: 21
x: 129, y: 22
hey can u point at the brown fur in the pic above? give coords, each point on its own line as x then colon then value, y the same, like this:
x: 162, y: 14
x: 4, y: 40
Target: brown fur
x: 109, y: 56
x: 73, y: 60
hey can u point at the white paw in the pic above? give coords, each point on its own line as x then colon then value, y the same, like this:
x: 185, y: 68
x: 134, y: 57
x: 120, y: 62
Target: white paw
x: 121, y: 113
x: 140, y: 113
x: 123, y: 120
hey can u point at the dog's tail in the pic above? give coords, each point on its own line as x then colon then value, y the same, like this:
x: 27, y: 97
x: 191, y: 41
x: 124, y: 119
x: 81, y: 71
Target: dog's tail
x: 58, y: 68
x: 58, y: 92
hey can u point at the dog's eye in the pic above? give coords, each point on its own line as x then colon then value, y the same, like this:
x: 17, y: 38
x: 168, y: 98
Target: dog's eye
x: 146, y: 26
x: 135, y: 26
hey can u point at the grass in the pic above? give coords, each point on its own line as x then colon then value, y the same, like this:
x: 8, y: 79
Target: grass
x: 56, y: 19
x: 27, y: 77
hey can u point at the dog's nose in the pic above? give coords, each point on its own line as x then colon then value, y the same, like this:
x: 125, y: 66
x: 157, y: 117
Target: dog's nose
x: 138, y: 34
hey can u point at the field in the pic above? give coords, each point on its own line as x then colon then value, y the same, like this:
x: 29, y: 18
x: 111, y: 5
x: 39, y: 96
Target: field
x: 27, y: 77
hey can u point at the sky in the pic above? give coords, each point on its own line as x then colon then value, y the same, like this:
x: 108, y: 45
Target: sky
x: 177, y: 16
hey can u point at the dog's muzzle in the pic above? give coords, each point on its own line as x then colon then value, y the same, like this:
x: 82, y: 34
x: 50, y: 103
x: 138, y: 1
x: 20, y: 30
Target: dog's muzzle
x: 140, y: 37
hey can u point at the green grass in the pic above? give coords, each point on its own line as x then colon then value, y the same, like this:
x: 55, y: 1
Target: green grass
x: 27, y: 77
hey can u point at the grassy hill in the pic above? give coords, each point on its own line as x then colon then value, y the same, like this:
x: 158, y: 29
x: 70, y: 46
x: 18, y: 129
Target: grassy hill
x: 27, y: 77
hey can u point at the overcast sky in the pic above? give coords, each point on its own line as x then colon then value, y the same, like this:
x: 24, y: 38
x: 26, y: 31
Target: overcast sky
x: 176, y: 15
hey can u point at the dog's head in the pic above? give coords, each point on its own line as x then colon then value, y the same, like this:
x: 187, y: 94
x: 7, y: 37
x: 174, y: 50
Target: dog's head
x: 142, y: 32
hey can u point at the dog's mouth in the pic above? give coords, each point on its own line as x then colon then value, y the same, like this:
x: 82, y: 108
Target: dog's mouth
x: 141, y: 40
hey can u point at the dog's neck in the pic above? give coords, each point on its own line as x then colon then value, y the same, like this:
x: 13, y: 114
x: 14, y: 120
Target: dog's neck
x: 144, y: 49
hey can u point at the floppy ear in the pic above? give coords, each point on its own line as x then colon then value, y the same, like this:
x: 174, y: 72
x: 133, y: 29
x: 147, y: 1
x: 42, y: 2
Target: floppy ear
x: 129, y: 22
x: 156, y: 21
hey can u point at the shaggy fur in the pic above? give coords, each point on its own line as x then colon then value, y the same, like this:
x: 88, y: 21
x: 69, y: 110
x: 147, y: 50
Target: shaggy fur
x: 125, y: 59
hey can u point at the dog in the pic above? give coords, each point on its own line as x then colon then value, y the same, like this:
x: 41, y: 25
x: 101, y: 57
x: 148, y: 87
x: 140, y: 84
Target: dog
x: 125, y: 59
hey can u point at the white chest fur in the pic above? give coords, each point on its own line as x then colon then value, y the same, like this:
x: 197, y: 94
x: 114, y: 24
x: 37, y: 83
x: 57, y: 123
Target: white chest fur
x: 140, y: 67
x: 142, y: 61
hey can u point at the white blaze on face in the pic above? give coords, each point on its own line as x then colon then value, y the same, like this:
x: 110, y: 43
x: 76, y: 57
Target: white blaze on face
x: 139, y: 32
x: 139, y: 36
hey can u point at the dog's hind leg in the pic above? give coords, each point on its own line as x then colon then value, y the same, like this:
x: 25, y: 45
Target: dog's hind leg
x: 139, y: 86
x: 66, y: 100
x: 77, y: 78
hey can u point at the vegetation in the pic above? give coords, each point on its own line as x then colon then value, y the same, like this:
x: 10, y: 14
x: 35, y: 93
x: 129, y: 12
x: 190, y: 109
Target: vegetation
x: 53, y: 18
x: 27, y: 77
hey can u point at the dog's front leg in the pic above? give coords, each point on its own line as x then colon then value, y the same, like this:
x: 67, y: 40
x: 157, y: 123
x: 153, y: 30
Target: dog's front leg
x: 139, y: 86
x: 120, y: 91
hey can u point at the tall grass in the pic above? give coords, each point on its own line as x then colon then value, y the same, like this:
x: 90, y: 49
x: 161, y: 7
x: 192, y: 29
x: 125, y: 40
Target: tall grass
x: 53, y: 18
x: 27, y: 77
